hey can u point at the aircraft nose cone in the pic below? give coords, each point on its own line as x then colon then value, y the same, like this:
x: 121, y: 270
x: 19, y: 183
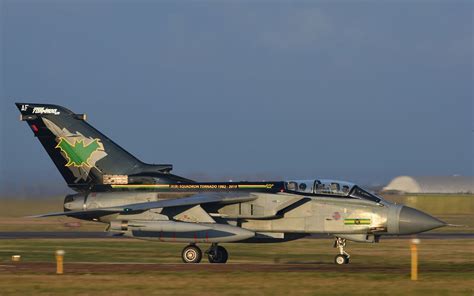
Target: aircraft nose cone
x: 414, y: 221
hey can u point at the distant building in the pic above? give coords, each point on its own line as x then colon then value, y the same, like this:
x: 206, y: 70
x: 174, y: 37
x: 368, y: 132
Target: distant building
x: 436, y: 184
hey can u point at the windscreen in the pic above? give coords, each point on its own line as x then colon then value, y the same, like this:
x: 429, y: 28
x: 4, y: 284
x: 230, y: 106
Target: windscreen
x: 359, y: 193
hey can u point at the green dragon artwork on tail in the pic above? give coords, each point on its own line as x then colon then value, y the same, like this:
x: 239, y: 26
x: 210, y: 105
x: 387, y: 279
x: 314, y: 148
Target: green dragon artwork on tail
x: 78, y: 154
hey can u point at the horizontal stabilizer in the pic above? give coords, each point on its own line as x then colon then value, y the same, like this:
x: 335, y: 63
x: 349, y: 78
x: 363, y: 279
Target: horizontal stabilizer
x: 456, y: 225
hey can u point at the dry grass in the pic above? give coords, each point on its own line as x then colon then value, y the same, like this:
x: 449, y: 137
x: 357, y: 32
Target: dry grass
x: 205, y: 283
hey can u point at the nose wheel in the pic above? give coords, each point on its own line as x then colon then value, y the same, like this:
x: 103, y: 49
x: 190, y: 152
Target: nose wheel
x: 343, y: 256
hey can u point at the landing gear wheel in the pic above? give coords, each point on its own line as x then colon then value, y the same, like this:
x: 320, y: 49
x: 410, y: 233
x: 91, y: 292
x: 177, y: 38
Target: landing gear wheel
x: 341, y: 259
x: 191, y: 254
x: 218, y: 255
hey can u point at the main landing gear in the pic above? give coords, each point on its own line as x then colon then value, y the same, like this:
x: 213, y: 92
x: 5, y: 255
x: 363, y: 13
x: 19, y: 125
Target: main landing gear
x: 215, y: 254
x: 343, y: 256
x: 191, y: 254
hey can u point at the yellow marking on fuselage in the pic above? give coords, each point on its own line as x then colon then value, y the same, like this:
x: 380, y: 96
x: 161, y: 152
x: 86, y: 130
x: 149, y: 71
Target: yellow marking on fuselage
x: 195, y: 186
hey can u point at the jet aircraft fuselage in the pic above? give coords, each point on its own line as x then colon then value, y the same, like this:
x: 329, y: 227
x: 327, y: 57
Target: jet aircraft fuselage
x: 146, y: 201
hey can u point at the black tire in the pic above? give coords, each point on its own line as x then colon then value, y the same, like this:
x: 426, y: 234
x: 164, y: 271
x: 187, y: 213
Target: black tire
x: 225, y: 255
x: 341, y: 259
x: 191, y: 254
x: 221, y: 256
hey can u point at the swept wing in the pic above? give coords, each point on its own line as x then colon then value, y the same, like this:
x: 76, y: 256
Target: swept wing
x: 167, y: 203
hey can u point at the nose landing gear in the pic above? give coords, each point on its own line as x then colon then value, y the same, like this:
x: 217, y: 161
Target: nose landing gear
x: 343, y: 256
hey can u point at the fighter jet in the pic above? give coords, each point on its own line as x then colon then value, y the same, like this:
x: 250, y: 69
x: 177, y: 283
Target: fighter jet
x: 146, y: 201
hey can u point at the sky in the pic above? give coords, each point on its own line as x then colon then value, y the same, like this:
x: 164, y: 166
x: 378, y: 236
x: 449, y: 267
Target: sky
x: 245, y: 90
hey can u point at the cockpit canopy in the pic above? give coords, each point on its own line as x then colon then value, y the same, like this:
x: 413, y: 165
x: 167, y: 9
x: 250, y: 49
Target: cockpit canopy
x: 330, y: 188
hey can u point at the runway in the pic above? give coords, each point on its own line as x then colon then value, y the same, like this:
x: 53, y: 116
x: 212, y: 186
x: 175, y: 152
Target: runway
x: 104, y: 267
x: 105, y: 235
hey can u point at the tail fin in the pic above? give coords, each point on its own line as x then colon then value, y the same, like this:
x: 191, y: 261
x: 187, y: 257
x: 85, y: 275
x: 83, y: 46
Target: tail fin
x: 82, y: 154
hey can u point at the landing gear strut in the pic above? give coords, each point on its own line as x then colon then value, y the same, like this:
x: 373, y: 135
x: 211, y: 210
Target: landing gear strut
x: 191, y: 254
x: 217, y: 254
x: 343, y: 256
